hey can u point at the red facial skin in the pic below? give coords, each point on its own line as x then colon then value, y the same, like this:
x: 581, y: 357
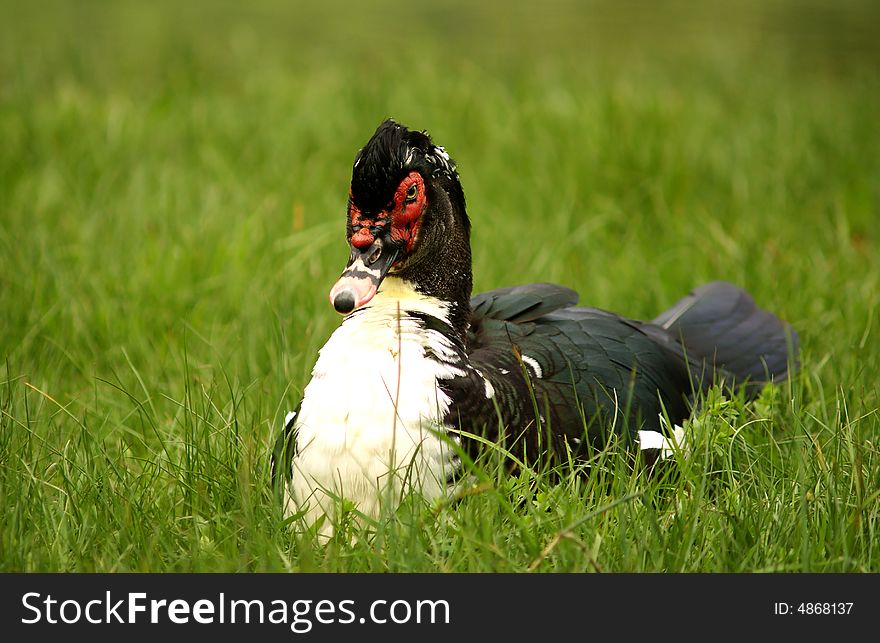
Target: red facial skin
x: 405, y: 216
x: 363, y: 238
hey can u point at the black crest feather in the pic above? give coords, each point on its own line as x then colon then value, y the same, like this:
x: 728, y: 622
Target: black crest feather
x: 391, y: 153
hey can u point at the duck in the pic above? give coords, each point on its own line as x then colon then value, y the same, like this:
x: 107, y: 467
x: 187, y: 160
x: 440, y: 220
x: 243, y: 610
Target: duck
x: 422, y: 372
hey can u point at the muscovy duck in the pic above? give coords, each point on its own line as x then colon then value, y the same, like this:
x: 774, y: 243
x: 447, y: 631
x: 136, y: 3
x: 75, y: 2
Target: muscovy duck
x: 417, y: 365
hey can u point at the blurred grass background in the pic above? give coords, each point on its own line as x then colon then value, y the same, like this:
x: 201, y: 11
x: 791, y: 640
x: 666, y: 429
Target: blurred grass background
x: 173, y: 179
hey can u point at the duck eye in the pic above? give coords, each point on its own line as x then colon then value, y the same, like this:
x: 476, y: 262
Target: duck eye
x: 411, y: 193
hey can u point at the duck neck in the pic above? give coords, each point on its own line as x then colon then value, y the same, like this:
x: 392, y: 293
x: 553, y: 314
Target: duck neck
x: 401, y: 299
x: 445, y: 278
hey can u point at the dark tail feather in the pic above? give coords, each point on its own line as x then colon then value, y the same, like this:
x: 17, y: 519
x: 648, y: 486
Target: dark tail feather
x: 721, y: 326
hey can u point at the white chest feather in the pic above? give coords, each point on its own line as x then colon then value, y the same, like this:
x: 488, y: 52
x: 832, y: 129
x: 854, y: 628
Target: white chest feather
x: 371, y: 419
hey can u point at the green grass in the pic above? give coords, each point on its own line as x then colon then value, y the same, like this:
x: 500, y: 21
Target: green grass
x: 172, y: 193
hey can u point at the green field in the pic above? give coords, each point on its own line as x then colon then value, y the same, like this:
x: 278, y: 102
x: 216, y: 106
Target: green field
x: 173, y: 183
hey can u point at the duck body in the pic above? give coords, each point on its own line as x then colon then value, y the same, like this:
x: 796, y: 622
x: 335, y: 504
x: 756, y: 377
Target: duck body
x: 419, y: 369
x: 360, y: 435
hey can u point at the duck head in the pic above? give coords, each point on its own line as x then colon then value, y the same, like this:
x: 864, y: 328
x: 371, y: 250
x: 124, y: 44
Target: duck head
x: 406, y: 219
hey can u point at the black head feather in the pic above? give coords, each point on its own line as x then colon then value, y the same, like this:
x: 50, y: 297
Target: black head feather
x: 393, y: 152
x: 439, y: 265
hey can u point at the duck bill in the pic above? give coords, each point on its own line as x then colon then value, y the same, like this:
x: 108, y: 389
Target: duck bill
x: 360, y: 280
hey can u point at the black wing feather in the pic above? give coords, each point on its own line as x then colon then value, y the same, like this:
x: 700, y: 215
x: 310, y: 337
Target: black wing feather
x: 281, y: 463
x: 521, y: 303
x: 602, y: 367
